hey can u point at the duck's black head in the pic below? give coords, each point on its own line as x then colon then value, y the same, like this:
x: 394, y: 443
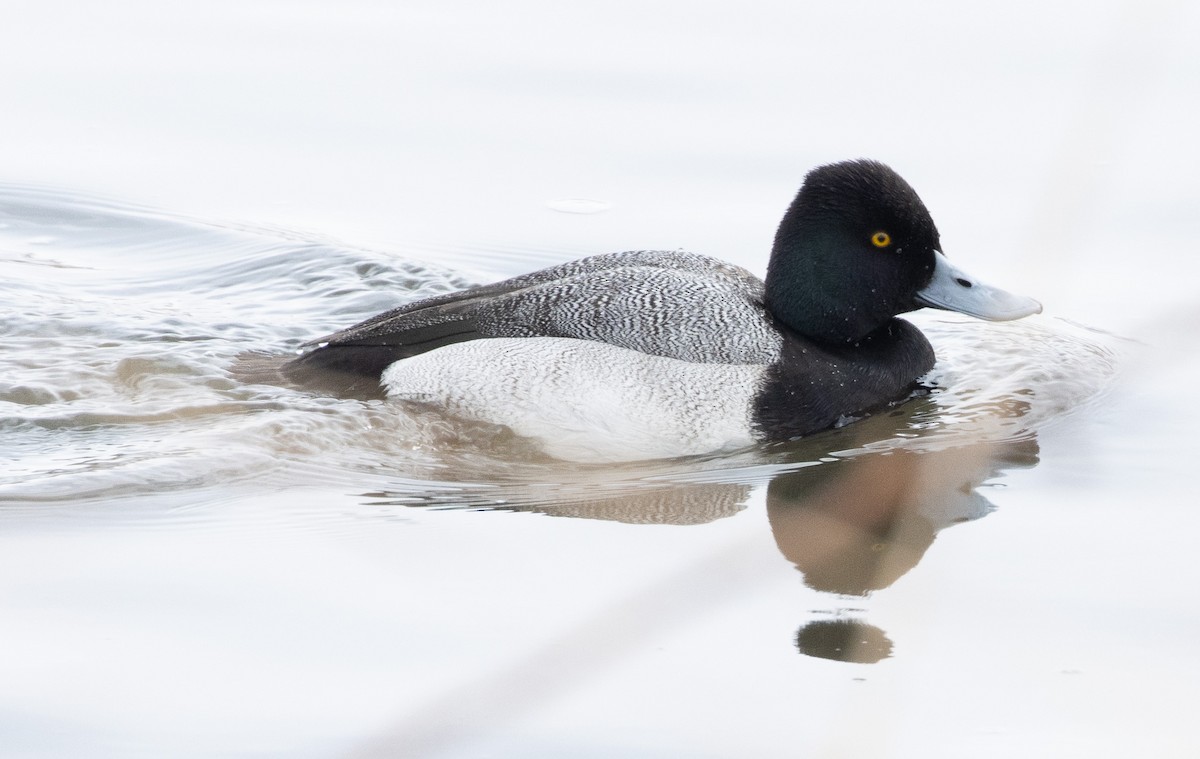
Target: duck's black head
x: 852, y: 251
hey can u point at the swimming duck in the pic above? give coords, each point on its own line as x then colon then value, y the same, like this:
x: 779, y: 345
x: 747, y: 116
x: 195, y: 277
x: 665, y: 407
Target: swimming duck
x: 645, y: 354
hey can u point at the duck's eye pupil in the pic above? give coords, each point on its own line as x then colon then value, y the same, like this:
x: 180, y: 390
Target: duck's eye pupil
x: 881, y: 239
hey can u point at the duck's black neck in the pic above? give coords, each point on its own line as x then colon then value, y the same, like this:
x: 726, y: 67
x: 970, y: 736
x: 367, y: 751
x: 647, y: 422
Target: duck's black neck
x: 816, y: 384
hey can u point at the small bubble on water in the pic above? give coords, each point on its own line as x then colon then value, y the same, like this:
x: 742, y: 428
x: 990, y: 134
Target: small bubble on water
x: 579, y: 205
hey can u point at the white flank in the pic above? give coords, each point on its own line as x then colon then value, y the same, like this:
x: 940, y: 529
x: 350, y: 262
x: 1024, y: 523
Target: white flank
x: 585, y: 400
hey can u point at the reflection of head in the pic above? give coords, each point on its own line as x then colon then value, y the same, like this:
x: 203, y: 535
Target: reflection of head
x: 851, y: 530
x: 858, y: 524
x: 844, y: 640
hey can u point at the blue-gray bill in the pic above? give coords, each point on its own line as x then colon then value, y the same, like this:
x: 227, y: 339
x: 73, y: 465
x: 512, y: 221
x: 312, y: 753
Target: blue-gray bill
x: 951, y: 289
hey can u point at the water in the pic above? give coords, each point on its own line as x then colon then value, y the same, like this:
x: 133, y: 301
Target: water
x: 192, y: 566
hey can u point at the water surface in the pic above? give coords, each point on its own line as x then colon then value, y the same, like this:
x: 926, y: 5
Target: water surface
x: 208, y: 522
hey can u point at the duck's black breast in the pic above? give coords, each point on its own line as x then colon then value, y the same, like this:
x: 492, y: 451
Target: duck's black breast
x: 814, y: 385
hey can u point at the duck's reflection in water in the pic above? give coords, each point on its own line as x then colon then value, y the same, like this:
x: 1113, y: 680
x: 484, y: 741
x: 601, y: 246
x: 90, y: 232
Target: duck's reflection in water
x: 852, y: 521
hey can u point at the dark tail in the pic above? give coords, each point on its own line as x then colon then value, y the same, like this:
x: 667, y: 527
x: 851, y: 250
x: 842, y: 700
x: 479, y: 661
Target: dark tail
x: 305, y: 373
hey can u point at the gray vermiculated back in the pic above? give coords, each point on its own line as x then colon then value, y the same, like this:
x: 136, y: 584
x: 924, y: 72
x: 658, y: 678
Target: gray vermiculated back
x: 666, y: 303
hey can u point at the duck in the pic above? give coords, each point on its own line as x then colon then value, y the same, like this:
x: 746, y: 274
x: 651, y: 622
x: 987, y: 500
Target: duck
x: 650, y: 354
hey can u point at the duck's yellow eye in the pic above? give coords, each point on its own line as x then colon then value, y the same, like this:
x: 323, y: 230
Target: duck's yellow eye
x: 881, y: 239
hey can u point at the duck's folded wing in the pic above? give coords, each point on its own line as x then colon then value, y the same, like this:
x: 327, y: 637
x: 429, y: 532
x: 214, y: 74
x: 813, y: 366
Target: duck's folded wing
x: 678, y: 313
x: 735, y: 278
